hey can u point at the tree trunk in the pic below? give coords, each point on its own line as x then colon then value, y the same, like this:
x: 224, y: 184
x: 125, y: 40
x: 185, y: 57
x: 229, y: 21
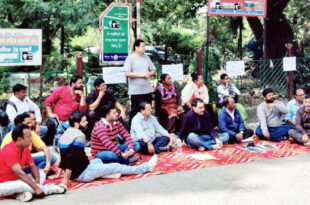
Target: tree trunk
x: 278, y: 29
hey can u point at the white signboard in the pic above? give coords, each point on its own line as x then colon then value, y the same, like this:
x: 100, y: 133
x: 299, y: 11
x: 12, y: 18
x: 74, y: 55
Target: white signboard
x: 113, y: 75
x: 289, y: 63
x: 20, y: 47
x: 235, y: 68
x: 174, y: 70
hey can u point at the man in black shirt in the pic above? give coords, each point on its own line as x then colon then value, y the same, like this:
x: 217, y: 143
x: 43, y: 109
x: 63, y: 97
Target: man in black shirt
x: 99, y: 97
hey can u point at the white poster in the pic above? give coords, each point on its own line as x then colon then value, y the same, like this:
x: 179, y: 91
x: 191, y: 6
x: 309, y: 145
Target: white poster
x: 20, y: 47
x: 174, y: 70
x: 289, y: 63
x: 235, y: 68
x: 113, y: 75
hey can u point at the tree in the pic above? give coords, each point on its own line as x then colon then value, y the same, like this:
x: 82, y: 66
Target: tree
x: 50, y: 16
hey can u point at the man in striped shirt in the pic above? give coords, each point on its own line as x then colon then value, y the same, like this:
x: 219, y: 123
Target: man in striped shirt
x: 110, y: 141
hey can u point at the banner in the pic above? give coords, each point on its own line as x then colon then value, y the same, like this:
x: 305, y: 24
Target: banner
x: 249, y: 8
x: 20, y: 47
x: 115, y: 30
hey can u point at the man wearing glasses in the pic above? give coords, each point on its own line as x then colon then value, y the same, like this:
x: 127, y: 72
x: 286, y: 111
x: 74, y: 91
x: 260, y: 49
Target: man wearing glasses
x: 293, y: 105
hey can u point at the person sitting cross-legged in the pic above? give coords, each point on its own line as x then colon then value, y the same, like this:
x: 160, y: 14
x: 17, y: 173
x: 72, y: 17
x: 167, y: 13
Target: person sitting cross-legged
x: 230, y: 122
x: 197, y: 129
x: 75, y: 162
x: 110, y: 141
x: 270, y: 116
x: 146, y: 130
x: 13, y: 180
x: 43, y: 162
x: 301, y: 132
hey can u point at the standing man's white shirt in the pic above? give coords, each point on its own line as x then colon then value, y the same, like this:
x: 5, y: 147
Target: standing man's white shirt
x: 22, y: 106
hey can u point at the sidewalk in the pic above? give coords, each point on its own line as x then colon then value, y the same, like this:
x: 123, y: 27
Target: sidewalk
x: 277, y: 181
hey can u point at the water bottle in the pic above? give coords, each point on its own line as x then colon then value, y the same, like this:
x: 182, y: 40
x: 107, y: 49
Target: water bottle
x: 179, y: 147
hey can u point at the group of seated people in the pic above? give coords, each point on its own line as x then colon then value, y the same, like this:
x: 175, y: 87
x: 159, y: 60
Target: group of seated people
x: 186, y: 115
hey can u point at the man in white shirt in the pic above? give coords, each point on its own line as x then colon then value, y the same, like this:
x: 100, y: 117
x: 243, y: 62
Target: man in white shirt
x: 20, y: 103
x: 226, y: 88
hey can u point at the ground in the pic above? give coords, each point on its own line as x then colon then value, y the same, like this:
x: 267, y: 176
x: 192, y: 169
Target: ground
x: 276, y: 181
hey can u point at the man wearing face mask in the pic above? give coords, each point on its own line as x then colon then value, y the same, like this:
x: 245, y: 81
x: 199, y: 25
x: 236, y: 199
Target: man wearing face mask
x: 270, y: 114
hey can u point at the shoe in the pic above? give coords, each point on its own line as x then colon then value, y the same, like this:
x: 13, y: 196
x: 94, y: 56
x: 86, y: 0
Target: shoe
x: 133, y: 160
x: 112, y: 176
x: 201, y: 149
x: 57, y: 189
x: 307, y: 143
x: 216, y: 146
x: 24, y: 196
x: 152, y: 162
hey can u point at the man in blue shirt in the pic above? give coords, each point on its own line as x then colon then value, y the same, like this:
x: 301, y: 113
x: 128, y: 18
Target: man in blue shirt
x: 293, y: 105
x: 230, y: 122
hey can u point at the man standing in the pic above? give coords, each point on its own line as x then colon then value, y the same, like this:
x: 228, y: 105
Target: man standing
x: 100, y: 97
x: 110, y: 141
x: 150, y: 135
x: 302, y: 124
x: 197, y: 129
x: 231, y: 122
x: 64, y: 100
x: 139, y: 69
x: 13, y: 180
x: 270, y: 116
x: 294, y: 104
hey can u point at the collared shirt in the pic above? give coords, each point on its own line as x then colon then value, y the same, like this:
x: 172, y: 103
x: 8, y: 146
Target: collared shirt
x: 36, y: 143
x: 149, y: 128
x: 303, y: 121
x: 22, y: 106
x: 222, y: 92
x: 9, y: 156
x: 292, y: 108
x: 62, y: 102
x: 231, y: 124
x: 139, y: 64
x: 231, y: 114
x: 104, y: 137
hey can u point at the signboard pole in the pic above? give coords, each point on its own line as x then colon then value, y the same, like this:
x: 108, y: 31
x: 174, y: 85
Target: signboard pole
x: 207, y: 48
x: 289, y: 73
x: 264, y: 39
x: 138, y: 7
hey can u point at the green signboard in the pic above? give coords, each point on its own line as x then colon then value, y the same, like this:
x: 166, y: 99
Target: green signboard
x: 115, y: 33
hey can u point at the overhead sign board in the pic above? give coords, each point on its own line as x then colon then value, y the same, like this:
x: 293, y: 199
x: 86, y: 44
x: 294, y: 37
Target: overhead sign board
x: 249, y: 8
x: 20, y: 47
x: 115, y: 34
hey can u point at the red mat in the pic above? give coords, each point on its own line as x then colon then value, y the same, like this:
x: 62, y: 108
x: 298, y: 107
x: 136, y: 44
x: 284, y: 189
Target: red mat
x: 230, y: 154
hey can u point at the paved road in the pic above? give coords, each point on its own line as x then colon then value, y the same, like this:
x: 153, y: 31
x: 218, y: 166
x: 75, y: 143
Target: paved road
x: 277, y: 181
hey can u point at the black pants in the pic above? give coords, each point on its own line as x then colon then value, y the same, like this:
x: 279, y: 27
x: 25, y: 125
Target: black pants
x: 135, y: 100
x: 246, y: 134
x: 157, y: 143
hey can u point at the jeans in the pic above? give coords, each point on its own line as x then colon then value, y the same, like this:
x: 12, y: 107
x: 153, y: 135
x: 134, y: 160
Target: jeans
x: 10, y: 188
x: 157, y: 143
x: 296, y: 135
x: 195, y: 141
x: 276, y: 133
x: 40, y: 162
x: 109, y: 156
x: 97, y: 169
x: 43, y: 131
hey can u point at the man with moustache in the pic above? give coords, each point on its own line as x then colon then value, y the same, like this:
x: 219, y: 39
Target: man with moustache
x: 270, y: 114
x: 64, y: 100
x: 302, y: 124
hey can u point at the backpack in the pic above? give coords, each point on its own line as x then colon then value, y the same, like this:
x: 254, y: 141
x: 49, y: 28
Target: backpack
x: 4, y: 118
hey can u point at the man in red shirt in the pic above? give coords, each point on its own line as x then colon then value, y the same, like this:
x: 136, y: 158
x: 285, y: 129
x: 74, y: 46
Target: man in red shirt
x: 64, y: 100
x: 13, y: 180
